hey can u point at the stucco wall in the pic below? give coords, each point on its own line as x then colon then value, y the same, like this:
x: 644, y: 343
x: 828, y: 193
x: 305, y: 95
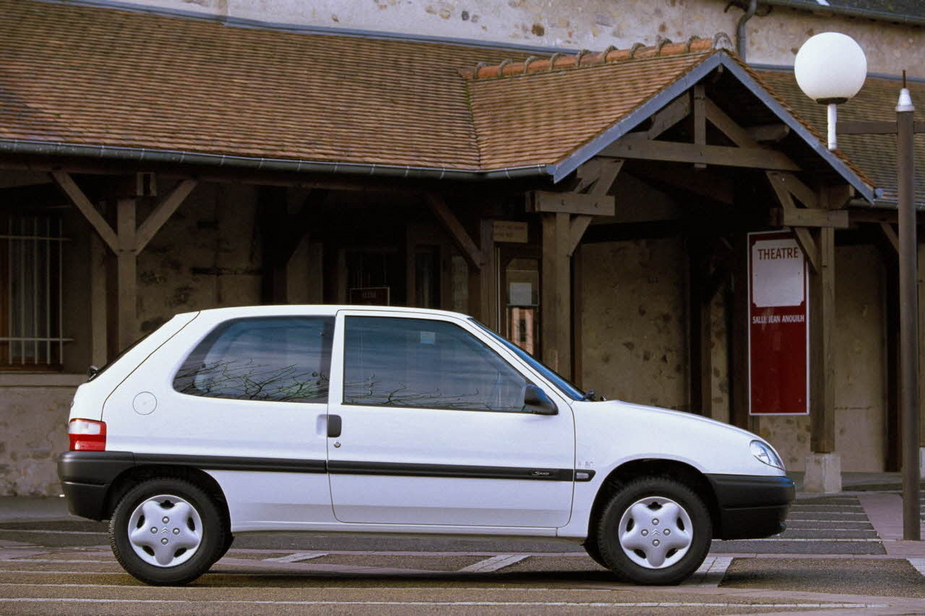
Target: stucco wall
x: 860, y: 380
x: 634, y: 321
x: 583, y: 24
x: 33, y: 422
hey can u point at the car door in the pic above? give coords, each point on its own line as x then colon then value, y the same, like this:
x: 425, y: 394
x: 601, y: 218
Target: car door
x: 433, y: 428
x: 246, y: 401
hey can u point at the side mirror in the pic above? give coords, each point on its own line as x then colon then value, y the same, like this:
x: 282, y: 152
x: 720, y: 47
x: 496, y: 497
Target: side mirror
x: 537, y: 401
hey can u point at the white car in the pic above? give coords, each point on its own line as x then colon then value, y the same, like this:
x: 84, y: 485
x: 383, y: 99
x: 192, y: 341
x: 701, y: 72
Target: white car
x: 394, y: 420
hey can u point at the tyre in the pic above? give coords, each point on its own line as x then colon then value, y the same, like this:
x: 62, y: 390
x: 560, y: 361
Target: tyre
x: 655, y: 530
x: 591, y: 547
x: 167, y: 532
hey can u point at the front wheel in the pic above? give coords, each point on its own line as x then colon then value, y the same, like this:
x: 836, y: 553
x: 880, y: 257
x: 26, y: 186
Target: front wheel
x: 167, y: 532
x: 655, y: 530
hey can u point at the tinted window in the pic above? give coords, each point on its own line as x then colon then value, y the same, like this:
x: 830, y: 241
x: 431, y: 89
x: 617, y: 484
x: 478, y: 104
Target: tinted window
x: 285, y: 359
x: 422, y: 363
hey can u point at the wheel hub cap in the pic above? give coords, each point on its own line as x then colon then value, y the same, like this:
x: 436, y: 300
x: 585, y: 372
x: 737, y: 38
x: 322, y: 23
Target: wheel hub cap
x: 165, y: 531
x: 655, y: 532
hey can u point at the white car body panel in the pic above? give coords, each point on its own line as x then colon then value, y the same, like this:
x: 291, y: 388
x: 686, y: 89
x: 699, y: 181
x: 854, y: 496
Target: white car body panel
x: 583, y: 436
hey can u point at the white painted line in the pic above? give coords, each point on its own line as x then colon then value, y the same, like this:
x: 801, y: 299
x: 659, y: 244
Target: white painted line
x: 821, y: 540
x: 54, y: 532
x: 711, y: 572
x: 610, y: 605
x: 296, y: 558
x: 494, y: 563
x: 918, y: 563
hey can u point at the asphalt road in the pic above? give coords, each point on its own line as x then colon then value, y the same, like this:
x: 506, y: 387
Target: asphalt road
x: 829, y: 561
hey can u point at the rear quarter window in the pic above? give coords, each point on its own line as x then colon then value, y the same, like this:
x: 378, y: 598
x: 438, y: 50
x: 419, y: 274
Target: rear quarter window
x: 274, y: 359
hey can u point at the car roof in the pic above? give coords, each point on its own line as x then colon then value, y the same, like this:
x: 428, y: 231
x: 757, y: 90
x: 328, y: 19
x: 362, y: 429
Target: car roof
x: 321, y: 310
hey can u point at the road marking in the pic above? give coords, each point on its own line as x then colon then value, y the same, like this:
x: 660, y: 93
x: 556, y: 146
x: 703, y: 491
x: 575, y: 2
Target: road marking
x: 494, y: 563
x: 296, y: 558
x: 918, y: 563
x: 610, y: 605
x: 54, y: 532
x: 820, y: 540
x: 711, y: 572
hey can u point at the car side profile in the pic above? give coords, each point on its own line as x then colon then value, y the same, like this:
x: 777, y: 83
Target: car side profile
x: 394, y: 420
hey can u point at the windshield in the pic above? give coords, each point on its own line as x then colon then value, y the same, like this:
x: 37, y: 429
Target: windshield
x: 567, y: 388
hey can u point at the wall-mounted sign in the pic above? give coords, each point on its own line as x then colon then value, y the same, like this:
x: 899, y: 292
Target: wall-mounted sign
x: 509, y: 231
x: 369, y: 296
x: 778, y: 330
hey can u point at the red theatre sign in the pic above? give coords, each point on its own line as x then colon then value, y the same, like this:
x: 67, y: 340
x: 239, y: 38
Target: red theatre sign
x: 778, y: 331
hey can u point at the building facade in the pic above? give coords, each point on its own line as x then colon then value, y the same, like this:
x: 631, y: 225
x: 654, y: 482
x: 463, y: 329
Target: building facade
x: 594, y: 207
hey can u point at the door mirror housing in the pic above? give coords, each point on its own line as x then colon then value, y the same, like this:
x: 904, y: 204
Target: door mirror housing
x: 537, y: 401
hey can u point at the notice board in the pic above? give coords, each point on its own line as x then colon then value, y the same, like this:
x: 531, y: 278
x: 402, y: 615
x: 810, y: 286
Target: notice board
x: 778, y: 331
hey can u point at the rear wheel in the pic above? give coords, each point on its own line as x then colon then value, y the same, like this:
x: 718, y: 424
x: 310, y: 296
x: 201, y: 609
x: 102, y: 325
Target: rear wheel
x: 655, y: 530
x: 167, y: 532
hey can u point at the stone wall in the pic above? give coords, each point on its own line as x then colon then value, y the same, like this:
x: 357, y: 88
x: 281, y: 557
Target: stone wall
x: 634, y: 321
x: 33, y: 422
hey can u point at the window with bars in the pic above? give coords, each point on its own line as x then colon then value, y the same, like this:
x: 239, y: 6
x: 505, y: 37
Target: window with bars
x: 31, y: 316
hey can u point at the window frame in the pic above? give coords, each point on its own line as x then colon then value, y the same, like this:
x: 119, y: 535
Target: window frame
x: 462, y: 327
x: 205, y: 345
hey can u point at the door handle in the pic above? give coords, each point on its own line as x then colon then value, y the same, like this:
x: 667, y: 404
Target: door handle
x: 334, y: 426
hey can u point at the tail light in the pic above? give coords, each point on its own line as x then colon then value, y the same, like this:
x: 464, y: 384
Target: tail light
x: 87, y: 435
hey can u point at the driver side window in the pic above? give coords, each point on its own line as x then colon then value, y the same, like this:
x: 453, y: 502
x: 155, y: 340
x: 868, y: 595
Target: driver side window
x: 423, y: 363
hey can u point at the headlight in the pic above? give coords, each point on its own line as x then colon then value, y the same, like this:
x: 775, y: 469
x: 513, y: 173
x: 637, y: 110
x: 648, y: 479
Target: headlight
x: 766, y: 454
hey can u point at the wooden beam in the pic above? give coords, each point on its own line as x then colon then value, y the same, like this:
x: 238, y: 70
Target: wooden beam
x: 577, y: 230
x: 570, y: 203
x: 698, y: 98
x: 700, y: 331
x: 556, y: 293
x: 890, y: 234
x: 728, y: 126
x: 668, y: 116
x: 126, y: 276
x: 163, y: 211
x: 801, y: 217
x: 470, y: 251
x: 793, y: 185
x: 875, y: 127
x: 768, y: 132
x: 822, y: 344
x: 755, y: 158
x: 702, y: 184
x: 804, y: 237
x: 597, y: 175
x: 79, y: 199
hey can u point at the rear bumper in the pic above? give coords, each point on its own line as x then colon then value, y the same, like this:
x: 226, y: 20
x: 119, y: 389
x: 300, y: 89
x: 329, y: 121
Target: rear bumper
x: 751, y: 506
x: 86, y: 476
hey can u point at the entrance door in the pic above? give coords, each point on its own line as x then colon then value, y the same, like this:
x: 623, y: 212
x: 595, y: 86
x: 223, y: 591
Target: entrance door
x: 434, y: 430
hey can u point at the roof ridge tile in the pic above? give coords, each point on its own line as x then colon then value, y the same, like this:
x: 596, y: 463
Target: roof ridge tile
x: 585, y: 58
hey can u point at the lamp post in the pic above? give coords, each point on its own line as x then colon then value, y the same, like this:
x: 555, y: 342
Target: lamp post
x: 830, y: 68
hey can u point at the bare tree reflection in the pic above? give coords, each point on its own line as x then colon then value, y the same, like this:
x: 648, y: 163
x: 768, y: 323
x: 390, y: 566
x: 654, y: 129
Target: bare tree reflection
x: 251, y: 380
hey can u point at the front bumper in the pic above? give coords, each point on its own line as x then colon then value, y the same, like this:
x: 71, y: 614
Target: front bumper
x: 751, y: 507
x: 86, y: 477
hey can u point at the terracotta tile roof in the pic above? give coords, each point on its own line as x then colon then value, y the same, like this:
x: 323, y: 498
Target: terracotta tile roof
x: 84, y: 75
x: 93, y: 76
x: 874, y: 154
x: 542, y: 111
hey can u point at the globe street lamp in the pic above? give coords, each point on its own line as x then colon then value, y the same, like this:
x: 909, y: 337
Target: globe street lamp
x: 830, y: 68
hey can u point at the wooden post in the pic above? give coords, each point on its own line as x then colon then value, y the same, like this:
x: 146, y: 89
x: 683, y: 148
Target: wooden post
x: 556, y: 300
x: 821, y: 327
x: 126, y: 273
x: 739, y: 403
x: 490, y: 302
x: 699, y: 299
